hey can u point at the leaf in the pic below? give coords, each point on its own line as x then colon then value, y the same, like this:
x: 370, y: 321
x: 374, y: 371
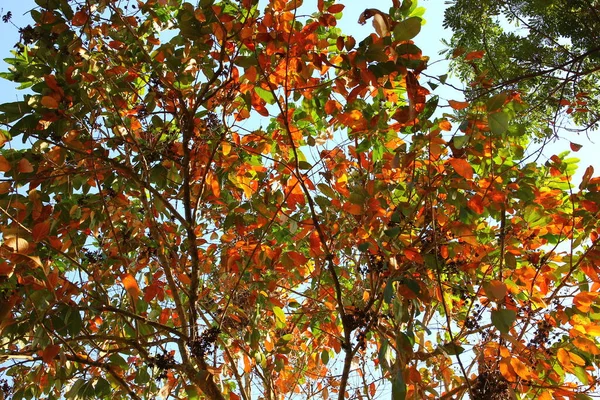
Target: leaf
x: 131, y: 285
x: 50, y: 353
x: 279, y: 314
x: 475, y: 203
x: 462, y: 167
x: 40, y: 231
x: 80, y: 18
x: 496, y: 102
x: 587, y: 175
x: 50, y: 102
x: 407, y: 29
x: 503, y: 319
x: 498, y: 122
x: 335, y: 8
x: 4, y: 164
x: 458, y: 105
x: 575, y: 147
x: 474, y: 55
x: 495, y: 290
x: 520, y: 368
x: 24, y: 166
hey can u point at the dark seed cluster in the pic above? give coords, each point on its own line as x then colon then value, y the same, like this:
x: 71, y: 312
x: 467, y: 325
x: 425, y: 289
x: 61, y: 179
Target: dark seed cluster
x: 205, y: 343
x: 164, y: 362
x: 490, y: 386
x: 5, y: 388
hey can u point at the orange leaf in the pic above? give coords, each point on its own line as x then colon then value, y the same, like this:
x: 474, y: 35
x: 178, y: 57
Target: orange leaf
x: 40, y: 231
x: 413, y: 255
x: 474, y: 55
x: 507, y: 370
x: 233, y: 396
x: 575, y: 147
x: 475, y: 203
x: 564, y: 359
x: 184, y: 279
x: 584, y: 300
x: 4, y: 164
x: 445, y: 125
x: 24, y: 166
x: 520, y: 368
x: 462, y: 167
x: 131, y: 285
x: 49, y: 102
x: 458, y: 105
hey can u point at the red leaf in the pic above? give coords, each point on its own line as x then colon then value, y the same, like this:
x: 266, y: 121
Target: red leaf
x: 80, y: 18
x: 50, y: 352
x: 24, y: 166
x: 575, y: 147
x: 462, y: 167
x: 40, y: 231
x: 336, y: 8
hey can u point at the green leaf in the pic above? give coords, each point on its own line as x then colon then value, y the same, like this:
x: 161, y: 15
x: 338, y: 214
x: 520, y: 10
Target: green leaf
x: 498, y: 122
x: 460, y: 141
x: 453, y: 349
x: 266, y: 95
x: 192, y: 392
x: 407, y: 29
x: 503, y: 319
x: 325, y: 356
x: 580, y: 373
x: 496, y: 102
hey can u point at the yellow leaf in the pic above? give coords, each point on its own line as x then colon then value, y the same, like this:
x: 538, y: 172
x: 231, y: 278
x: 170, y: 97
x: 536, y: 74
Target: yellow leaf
x: 576, y: 359
x: 586, y: 345
x: 593, y: 330
x: 226, y: 148
x: 584, y: 300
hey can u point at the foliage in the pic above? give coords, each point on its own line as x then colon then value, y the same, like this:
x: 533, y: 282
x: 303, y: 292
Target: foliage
x: 217, y: 201
x: 547, y: 49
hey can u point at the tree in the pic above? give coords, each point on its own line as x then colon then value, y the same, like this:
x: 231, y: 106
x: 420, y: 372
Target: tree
x: 217, y: 201
x: 548, y: 50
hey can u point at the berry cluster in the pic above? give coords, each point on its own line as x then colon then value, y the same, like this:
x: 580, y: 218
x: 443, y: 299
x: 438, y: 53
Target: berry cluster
x: 205, y: 343
x: 5, y: 388
x: 163, y: 362
x: 490, y: 386
x: 375, y: 264
x: 542, y: 335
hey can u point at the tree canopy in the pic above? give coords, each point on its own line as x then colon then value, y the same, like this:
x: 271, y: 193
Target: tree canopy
x: 547, y: 49
x: 227, y: 200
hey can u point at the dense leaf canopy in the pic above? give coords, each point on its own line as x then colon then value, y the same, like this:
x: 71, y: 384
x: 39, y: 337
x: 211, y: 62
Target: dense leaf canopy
x: 547, y: 49
x: 221, y: 201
